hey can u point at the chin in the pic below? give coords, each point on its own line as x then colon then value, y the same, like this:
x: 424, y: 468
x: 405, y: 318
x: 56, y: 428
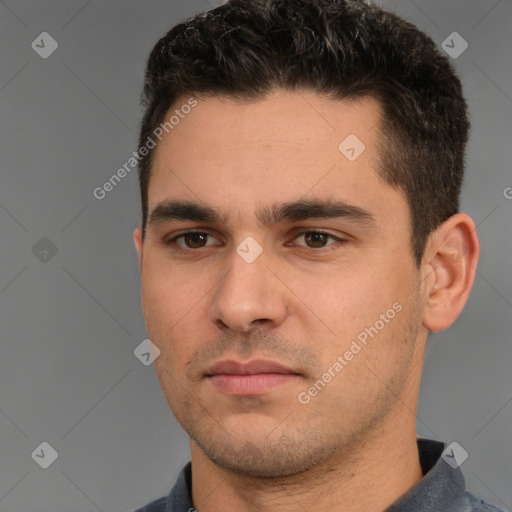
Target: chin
x: 263, y: 457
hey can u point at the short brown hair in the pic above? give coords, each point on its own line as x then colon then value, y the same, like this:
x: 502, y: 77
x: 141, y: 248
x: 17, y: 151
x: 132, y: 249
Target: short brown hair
x: 344, y: 49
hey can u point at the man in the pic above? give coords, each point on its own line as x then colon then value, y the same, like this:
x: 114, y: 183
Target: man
x: 300, y: 238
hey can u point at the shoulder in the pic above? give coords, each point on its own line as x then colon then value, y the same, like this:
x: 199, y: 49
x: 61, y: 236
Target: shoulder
x: 480, y: 505
x: 158, y: 505
x: 180, y: 497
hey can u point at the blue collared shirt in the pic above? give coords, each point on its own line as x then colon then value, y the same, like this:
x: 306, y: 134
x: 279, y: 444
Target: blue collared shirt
x: 442, y: 489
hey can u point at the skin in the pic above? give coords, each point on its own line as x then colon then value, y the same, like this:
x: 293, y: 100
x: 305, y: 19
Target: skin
x: 354, y: 442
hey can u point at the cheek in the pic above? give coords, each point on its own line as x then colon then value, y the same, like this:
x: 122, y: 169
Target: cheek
x: 164, y: 285
x: 362, y: 303
x: 173, y: 305
x: 165, y: 299
x: 349, y: 299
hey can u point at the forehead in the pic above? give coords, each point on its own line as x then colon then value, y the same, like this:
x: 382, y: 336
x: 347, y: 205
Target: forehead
x: 239, y: 155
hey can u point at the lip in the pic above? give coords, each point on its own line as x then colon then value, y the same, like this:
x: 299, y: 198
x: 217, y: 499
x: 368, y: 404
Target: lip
x: 231, y: 367
x: 251, y: 378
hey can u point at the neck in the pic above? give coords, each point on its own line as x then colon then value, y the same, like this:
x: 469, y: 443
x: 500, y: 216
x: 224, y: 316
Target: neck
x: 383, y: 467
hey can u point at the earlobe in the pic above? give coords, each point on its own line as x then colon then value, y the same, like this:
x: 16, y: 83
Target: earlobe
x: 453, y: 252
x: 138, y: 242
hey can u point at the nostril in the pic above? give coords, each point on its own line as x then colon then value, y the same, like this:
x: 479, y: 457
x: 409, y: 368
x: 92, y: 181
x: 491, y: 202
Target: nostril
x: 260, y: 321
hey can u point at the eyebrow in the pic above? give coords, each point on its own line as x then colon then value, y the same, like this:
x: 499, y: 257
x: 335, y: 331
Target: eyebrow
x: 185, y: 210
x: 297, y: 211
x: 314, y: 209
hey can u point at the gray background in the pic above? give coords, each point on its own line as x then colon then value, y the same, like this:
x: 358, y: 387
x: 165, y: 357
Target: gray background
x: 69, y: 324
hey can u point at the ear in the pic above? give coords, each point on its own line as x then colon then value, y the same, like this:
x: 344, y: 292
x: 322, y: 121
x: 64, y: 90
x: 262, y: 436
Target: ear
x: 137, y: 240
x: 450, y: 261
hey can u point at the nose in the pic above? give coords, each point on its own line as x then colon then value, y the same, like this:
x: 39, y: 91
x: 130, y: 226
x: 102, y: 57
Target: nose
x: 249, y: 297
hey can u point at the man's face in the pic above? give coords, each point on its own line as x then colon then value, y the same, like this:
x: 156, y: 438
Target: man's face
x: 300, y: 256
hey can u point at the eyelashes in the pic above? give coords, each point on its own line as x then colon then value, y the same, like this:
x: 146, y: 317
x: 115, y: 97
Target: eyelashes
x: 310, y: 240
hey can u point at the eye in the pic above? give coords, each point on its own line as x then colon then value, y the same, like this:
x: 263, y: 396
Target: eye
x: 316, y: 239
x: 194, y: 240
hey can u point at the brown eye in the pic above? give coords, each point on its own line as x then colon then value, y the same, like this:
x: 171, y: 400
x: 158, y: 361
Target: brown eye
x: 195, y: 240
x: 316, y: 240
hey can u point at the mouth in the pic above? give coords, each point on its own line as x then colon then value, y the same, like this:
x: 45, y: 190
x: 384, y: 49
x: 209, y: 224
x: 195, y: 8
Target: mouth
x: 251, y: 378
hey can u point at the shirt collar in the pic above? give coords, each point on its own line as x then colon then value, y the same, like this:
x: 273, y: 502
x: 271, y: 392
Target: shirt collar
x: 441, y: 489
